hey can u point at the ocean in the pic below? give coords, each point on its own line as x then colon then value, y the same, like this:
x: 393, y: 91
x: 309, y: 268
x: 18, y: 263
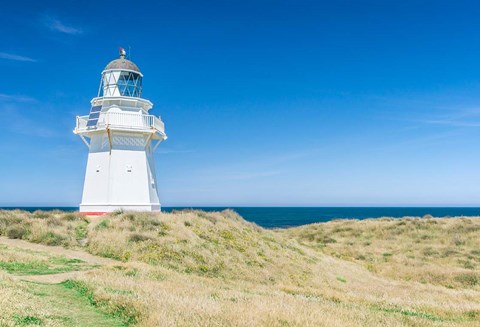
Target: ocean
x: 277, y: 217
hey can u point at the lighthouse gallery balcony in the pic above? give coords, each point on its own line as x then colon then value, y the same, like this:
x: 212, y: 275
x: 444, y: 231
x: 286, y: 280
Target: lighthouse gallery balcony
x: 120, y: 113
x: 121, y: 121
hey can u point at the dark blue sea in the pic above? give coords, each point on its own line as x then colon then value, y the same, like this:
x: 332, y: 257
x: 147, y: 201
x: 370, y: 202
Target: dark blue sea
x: 272, y: 217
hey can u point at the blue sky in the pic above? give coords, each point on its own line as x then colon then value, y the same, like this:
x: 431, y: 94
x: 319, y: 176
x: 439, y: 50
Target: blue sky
x: 348, y: 103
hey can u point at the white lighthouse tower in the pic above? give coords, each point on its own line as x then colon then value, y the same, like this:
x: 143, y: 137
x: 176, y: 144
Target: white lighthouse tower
x: 121, y: 137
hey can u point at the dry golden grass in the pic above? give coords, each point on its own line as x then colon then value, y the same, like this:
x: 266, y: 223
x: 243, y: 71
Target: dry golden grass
x: 25, y: 303
x: 215, y: 269
x: 50, y: 228
x: 428, y: 250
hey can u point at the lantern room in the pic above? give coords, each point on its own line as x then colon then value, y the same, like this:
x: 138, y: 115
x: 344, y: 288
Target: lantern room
x: 121, y: 77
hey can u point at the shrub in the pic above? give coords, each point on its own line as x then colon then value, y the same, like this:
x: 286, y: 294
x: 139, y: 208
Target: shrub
x: 39, y: 214
x: 103, y: 224
x: 131, y: 272
x: 468, y: 279
x: 51, y: 238
x: 325, y: 239
x: 74, y: 217
x: 210, y: 218
x: 17, y: 232
x: 149, y: 222
x: 468, y: 265
x: 117, y: 212
x: 163, y: 229
x: 135, y: 237
x: 227, y: 235
x: 457, y: 240
x: 154, y: 253
x: 81, y: 231
x: 429, y: 252
x: 448, y: 252
x: 8, y: 220
x: 475, y: 252
x: 53, y: 222
x: 129, y: 217
x: 231, y: 215
x: 473, y: 314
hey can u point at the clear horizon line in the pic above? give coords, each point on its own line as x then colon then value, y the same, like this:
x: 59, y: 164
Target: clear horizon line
x: 272, y: 206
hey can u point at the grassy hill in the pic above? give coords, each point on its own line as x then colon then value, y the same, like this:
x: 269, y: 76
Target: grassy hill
x: 199, y: 268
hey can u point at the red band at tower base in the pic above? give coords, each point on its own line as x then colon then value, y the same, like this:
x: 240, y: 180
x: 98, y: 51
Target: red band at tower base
x: 92, y: 213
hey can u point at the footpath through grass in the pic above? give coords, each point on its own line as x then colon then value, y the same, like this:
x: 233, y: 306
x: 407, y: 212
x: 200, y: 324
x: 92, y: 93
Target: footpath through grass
x: 20, y: 262
x: 56, y: 305
x: 25, y: 303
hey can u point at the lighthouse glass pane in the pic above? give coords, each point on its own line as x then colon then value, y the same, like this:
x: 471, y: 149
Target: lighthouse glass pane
x: 129, y: 84
x: 122, y: 83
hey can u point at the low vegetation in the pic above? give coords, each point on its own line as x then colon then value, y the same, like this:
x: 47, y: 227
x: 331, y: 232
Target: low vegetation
x: 23, y: 262
x: 197, y: 268
x: 36, y: 304
x: 428, y: 250
x: 50, y: 228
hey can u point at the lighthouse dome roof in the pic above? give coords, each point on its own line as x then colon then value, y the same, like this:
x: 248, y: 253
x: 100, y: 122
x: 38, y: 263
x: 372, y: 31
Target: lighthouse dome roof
x: 122, y: 63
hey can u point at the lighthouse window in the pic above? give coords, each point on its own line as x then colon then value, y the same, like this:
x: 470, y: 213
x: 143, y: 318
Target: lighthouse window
x: 130, y: 84
x: 123, y: 83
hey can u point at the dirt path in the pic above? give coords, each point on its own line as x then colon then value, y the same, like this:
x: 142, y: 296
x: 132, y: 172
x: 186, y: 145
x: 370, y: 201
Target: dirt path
x: 54, y: 303
x: 52, y: 278
x: 58, y: 250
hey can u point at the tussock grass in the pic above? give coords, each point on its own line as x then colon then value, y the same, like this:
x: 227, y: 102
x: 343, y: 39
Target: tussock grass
x: 221, y: 245
x: 216, y: 269
x: 429, y: 250
x: 46, y: 227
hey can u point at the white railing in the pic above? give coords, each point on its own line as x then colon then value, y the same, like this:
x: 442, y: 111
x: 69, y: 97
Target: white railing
x: 121, y: 120
x: 81, y: 122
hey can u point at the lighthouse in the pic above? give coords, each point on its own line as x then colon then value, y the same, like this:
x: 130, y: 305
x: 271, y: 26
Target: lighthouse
x: 121, y: 137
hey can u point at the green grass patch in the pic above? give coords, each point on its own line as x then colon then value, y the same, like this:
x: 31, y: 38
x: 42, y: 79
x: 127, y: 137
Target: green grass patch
x: 410, y: 313
x: 104, y: 224
x: 81, y: 231
x: 27, y: 320
x: 52, y: 265
x: 58, y: 305
x: 32, y: 268
x: 65, y: 261
x: 341, y: 279
x: 127, y: 313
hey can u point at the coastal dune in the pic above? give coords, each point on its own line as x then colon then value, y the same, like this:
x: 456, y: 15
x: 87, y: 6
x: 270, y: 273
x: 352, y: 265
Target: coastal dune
x: 214, y: 268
